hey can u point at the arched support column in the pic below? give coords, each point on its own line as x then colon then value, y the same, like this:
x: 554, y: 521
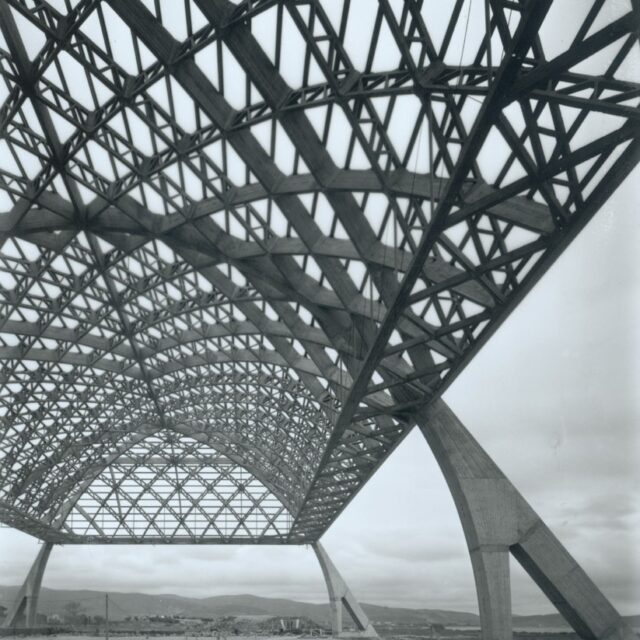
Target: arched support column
x: 497, y: 520
x: 26, y: 601
x: 493, y: 585
x: 340, y: 594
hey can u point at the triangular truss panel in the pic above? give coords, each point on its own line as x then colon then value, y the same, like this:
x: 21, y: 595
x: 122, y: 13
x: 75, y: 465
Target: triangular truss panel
x: 243, y: 244
x: 165, y: 490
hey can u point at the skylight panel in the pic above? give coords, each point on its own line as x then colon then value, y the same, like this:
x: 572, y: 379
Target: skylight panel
x: 264, y: 29
x: 292, y: 64
x: 234, y: 80
x: 8, y: 162
x: 174, y: 19
x: 359, y: 30
x: 32, y: 37
x: 183, y: 109
x: 27, y: 163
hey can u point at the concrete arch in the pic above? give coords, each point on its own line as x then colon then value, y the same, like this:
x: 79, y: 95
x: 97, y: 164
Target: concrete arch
x: 26, y: 602
x: 497, y: 521
x: 340, y: 595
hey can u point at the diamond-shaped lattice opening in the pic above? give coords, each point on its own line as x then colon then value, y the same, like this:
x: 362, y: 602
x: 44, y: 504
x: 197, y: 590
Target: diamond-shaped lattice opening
x: 176, y: 492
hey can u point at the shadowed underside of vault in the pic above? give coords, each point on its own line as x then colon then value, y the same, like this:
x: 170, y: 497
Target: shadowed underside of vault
x: 244, y: 246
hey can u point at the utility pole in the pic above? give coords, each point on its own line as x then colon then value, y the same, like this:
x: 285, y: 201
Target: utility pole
x: 106, y: 616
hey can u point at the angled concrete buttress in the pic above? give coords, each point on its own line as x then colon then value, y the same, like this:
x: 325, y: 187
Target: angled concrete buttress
x: 26, y: 601
x: 340, y: 594
x: 497, y: 521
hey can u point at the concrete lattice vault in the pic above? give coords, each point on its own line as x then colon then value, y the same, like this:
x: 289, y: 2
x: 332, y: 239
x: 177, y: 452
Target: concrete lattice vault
x: 245, y: 251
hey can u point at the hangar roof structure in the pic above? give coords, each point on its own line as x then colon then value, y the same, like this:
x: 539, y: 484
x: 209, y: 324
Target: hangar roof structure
x: 244, y: 244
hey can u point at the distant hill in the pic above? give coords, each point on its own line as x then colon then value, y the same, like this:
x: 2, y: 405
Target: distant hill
x: 122, y: 605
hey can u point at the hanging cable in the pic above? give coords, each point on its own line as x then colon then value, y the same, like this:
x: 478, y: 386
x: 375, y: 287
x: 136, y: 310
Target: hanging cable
x: 464, y: 43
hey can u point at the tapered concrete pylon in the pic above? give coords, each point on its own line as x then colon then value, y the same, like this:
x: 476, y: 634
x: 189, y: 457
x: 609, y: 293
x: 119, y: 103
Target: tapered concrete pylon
x: 27, y: 598
x: 340, y: 594
x: 497, y: 520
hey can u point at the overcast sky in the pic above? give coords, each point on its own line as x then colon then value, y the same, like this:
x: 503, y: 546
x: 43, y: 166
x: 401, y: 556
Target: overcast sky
x: 551, y: 397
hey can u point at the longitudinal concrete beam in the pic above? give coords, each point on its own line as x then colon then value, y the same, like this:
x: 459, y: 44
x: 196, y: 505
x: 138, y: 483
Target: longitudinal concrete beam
x: 497, y: 520
x: 27, y: 598
x: 340, y: 594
